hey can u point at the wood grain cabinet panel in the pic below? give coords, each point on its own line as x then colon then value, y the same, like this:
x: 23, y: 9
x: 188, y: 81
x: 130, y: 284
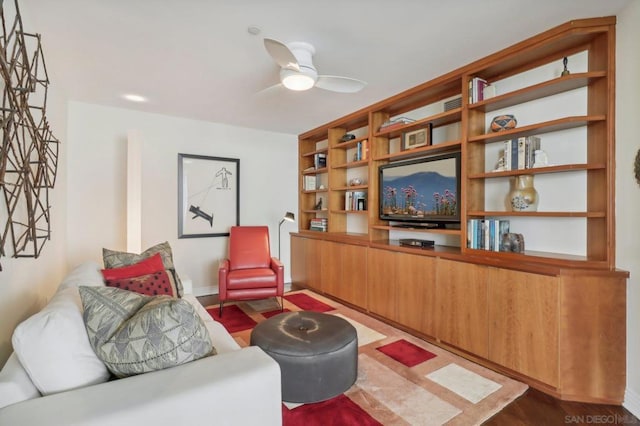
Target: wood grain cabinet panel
x: 416, y: 287
x: 345, y: 272
x: 461, y: 311
x: 306, y: 262
x: 523, y: 323
x: 382, y: 282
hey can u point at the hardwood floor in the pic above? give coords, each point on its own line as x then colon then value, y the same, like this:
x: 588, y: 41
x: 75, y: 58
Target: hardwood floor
x: 539, y: 409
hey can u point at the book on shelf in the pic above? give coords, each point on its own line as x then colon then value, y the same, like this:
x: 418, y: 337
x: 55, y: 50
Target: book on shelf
x: 355, y: 200
x: 486, y: 234
x: 318, y: 224
x: 519, y: 153
x: 310, y: 182
x: 320, y: 160
x: 395, y: 123
x: 476, y: 89
x: 362, y: 150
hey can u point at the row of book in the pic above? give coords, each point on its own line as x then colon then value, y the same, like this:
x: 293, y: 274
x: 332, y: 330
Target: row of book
x: 355, y: 200
x: 519, y: 153
x: 320, y: 160
x: 362, y: 150
x: 486, y: 234
x: 476, y: 89
x: 318, y: 224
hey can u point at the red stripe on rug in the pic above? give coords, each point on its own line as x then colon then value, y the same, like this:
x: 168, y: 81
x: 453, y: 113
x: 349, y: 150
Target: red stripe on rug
x: 338, y: 411
x: 406, y: 352
x: 273, y: 313
x: 308, y: 303
x: 233, y: 318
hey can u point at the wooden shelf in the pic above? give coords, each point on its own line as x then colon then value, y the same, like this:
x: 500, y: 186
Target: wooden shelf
x: 351, y: 188
x: 362, y: 212
x: 535, y: 214
x: 317, y: 151
x: 491, y: 307
x: 442, y: 119
x: 418, y: 229
x: 422, y: 151
x: 538, y: 91
x: 539, y: 128
x: 350, y: 144
x: 352, y: 164
x: 539, y: 170
x: 315, y: 171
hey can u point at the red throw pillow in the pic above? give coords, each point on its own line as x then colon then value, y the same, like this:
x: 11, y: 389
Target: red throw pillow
x: 145, y: 277
x: 154, y: 284
x: 144, y: 267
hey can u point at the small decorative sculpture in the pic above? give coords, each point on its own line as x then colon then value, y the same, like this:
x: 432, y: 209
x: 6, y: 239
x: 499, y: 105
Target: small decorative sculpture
x: 503, y: 122
x: 318, y: 205
x: 565, y: 61
x: 540, y: 158
x: 512, y: 242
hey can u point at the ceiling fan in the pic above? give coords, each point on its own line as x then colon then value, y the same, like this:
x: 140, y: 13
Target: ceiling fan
x: 298, y: 73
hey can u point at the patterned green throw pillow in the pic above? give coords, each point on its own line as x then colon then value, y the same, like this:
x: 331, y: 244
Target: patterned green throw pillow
x: 133, y: 333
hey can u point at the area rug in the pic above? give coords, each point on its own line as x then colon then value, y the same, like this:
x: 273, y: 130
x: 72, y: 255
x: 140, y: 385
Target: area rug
x: 402, y: 380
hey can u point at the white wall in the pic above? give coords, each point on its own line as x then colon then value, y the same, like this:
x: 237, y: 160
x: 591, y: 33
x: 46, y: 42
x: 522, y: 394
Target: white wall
x: 97, y: 183
x: 627, y: 190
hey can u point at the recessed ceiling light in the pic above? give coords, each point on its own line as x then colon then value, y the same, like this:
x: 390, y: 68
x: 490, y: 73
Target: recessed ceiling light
x: 134, y: 98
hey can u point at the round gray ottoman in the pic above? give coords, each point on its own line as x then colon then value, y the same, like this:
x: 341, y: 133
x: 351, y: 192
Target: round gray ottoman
x: 317, y: 353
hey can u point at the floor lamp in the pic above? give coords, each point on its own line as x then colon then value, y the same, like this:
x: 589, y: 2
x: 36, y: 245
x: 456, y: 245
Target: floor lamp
x: 289, y: 217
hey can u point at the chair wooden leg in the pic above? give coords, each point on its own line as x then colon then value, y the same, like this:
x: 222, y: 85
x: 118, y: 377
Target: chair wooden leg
x: 220, y: 311
x: 281, y: 303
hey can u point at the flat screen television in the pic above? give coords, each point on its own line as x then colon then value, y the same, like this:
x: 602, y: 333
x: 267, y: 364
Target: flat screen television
x: 422, y: 191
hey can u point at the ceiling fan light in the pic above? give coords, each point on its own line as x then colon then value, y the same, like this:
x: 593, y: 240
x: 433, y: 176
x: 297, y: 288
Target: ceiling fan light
x: 294, y: 80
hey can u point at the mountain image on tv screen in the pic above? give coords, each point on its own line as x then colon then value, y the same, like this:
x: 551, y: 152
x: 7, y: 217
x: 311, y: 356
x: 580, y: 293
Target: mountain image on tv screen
x: 420, y: 194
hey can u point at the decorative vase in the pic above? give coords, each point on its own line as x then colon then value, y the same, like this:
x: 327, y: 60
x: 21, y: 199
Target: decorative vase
x: 523, y: 197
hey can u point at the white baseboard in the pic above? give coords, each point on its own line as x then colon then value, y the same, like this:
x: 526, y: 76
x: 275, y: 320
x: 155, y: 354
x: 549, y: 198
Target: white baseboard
x: 213, y: 289
x: 205, y: 291
x: 632, y: 402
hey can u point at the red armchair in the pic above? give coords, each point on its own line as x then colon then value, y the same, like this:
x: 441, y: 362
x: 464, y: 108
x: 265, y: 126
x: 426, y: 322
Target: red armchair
x: 250, y: 272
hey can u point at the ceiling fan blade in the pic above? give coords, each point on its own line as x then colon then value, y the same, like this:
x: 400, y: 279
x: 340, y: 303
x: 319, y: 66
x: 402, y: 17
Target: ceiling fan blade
x: 281, y: 54
x: 340, y: 84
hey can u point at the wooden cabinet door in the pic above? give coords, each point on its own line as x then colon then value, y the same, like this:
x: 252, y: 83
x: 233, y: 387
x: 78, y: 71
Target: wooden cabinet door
x: 313, y: 263
x: 382, y: 282
x: 353, y: 286
x: 331, y: 268
x: 461, y: 299
x: 298, y: 261
x: 523, y: 318
x: 416, y: 285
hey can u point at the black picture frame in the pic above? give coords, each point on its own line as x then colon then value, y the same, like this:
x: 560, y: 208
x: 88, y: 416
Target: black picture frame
x: 208, y: 195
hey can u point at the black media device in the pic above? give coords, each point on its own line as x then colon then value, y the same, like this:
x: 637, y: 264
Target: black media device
x: 413, y: 242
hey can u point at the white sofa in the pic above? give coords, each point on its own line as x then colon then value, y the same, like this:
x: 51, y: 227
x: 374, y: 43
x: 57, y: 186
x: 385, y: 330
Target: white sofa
x: 238, y: 386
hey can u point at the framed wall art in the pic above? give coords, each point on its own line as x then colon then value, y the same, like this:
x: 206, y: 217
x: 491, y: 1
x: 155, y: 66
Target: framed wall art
x: 208, y: 195
x: 416, y: 138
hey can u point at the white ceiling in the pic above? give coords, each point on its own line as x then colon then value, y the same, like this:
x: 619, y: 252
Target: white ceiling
x: 196, y: 59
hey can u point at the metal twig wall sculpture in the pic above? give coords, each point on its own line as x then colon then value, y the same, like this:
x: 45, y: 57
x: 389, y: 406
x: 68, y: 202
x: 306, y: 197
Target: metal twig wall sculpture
x: 29, y: 151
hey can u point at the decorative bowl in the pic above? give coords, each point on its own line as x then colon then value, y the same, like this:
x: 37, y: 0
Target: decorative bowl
x: 503, y: 122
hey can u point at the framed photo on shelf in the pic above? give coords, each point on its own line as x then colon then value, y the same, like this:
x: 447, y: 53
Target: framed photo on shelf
x: 208, y: 195
x: 416, y: 138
